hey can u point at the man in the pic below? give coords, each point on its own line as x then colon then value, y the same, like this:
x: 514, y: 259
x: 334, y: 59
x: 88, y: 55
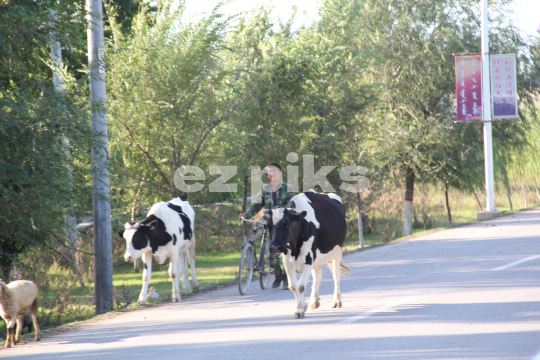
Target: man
x: 274, y: 194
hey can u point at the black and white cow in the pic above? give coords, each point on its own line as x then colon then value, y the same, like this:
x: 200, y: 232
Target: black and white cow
x: 309, y: 232
x: 166, y: 232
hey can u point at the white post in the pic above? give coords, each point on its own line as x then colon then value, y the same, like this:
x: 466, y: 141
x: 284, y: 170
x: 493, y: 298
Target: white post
x: 486, y: 107
x: 360, y: 229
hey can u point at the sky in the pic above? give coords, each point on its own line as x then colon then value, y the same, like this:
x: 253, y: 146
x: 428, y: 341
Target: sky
x: 526, y: 17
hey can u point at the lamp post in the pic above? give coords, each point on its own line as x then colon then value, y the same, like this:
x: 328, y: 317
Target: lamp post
x: 486, y: 106
x: 486, y: 109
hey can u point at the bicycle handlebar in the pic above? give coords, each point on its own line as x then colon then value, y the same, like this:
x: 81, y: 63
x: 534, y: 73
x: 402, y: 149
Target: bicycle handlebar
x: 260, y: 222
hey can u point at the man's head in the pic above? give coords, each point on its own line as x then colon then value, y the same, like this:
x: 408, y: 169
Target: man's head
x: 273, y: 170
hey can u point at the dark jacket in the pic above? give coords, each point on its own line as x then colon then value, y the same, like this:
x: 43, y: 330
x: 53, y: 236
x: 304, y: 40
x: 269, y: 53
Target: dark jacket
x: 264, y: 198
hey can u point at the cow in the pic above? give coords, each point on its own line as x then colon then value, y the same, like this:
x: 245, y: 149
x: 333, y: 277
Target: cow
x: 166, y: 232
x: 310, y: 232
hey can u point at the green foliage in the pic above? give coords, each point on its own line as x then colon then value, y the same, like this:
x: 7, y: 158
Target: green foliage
x: 168, y: 92
x: 35, y: 123
x: 415, y: 42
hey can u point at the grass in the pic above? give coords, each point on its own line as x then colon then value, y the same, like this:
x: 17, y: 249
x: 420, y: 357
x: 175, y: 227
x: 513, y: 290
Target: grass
x: 213, y: 270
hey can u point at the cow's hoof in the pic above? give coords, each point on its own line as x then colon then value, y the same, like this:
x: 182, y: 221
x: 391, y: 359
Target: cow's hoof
x: 174, y: 299
x: 337, y: 304
x: 141, y: 302
x: 196, y: 288
x: 315, y: 305
x: 298, y: 315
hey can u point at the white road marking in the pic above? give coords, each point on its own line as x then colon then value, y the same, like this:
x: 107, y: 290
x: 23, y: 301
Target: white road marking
x: 516, y: 262
x: 377, y: 310
x: 536, y: 357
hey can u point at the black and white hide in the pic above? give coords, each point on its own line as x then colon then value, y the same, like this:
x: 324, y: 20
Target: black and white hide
x: 166, y: 232
x: 310, y: 232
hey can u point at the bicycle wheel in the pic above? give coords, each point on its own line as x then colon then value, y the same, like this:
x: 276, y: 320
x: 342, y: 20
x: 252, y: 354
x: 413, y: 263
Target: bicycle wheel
x: 245, y: 272
x: 264, y: 268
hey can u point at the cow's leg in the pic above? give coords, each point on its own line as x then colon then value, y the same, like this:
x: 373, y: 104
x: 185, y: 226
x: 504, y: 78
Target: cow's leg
x: 302, y: 285
x: 173, y: 272
x: 294, y: 286
x: 19, y: 329
x: 336, y: 272
x: 147, y: 275
x: 183, y: 272
x: 317, y: 279
x: 191, y: 258
x: 291, y: 276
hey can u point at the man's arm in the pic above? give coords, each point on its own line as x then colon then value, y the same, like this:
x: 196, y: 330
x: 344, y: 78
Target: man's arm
x: 256, y: 205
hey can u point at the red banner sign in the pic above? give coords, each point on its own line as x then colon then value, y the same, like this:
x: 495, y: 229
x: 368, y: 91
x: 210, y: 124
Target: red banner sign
x: 469, y: 87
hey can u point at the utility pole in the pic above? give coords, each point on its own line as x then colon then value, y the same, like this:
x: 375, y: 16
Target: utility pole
x: 100, y: 158
x: 486, y: 108
x: 71, y: 221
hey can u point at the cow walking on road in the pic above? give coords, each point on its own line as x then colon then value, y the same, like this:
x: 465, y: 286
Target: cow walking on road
x: 166, y: 232
x: 310, y: 232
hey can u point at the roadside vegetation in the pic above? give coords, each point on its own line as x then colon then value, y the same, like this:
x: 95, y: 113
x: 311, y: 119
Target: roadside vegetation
x: 370, y: 83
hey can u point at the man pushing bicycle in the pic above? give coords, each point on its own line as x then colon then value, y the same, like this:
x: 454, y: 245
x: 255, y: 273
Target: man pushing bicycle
x: 272, y: 195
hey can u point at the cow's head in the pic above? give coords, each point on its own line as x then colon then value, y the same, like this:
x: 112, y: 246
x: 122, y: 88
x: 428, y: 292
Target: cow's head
x: 284, y: 225
x: 136, y: 235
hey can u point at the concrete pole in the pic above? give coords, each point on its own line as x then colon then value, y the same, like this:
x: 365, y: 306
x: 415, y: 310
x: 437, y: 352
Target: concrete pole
x: 486, y: 106
x: 360, y: 229
x: 71, y: 221
x: 100, y: 158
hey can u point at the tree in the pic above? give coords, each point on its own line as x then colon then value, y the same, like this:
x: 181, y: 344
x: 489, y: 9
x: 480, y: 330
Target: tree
x: 415, y: 42
x: 34, y: 120
x: 167, y: 95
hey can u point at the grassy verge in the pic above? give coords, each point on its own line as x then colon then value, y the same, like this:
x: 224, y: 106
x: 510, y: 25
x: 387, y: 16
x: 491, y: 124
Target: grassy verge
x: 213, y: 270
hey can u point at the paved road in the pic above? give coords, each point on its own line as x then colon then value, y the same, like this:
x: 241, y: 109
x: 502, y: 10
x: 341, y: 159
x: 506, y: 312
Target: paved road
x: 467, y: 293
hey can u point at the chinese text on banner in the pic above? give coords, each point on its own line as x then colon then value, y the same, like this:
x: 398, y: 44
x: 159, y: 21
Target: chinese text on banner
x: 503, y: 86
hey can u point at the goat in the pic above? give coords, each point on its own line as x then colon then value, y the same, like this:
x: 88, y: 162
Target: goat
x: 18, y: 298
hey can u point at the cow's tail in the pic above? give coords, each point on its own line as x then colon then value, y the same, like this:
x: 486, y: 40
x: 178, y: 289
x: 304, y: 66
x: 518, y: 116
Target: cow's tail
x: 345, y: 271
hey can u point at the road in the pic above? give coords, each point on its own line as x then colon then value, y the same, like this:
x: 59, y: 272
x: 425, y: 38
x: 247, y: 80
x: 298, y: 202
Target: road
x: 471, y: 292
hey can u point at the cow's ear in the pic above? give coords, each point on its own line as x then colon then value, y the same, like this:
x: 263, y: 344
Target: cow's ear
x: 121, y: 233
x: 267, y: 213
x: 151, y: 225
x: 297, y: 216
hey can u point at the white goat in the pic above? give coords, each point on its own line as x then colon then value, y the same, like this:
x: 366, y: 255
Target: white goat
x: 18, y: 298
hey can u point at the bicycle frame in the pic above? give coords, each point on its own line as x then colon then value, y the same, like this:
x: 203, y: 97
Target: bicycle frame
x: 257, y: 263
x: 259, y: 230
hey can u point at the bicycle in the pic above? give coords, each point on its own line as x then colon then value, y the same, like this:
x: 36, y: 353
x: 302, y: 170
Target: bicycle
x: 249, y: 261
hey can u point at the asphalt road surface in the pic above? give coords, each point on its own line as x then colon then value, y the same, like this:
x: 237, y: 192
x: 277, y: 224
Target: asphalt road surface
x: 467, y: 293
